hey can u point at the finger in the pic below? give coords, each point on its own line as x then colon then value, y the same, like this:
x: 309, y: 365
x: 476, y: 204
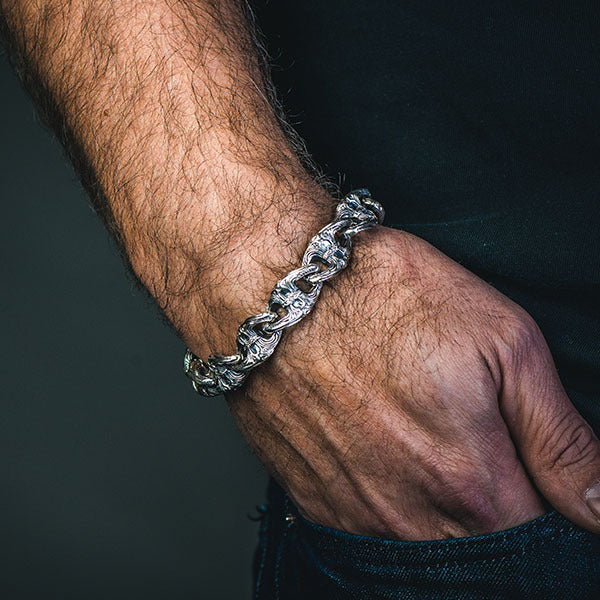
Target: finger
x: 558, y: 447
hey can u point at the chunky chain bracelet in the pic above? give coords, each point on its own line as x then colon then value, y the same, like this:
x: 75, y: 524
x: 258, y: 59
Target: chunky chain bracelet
x: 292, y: 298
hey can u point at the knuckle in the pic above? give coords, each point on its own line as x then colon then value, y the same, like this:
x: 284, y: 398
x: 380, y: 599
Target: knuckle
x: 465, y: 498
x: 522, y: 340
x: 572, y: 445
x: 474, y: 510
x: 525, y: 332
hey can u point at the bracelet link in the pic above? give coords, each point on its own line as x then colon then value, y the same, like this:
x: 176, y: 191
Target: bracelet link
x: 292, y: 298
x: 327, y: 250
x: 255, y: 343
x: 295, y: 301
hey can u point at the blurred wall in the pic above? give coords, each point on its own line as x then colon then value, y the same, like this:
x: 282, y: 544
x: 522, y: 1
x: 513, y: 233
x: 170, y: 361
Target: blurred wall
x: 118, y: 481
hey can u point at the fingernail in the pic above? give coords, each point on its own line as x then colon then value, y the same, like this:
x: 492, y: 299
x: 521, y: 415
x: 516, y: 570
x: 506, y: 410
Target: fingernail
x: 592, y: 497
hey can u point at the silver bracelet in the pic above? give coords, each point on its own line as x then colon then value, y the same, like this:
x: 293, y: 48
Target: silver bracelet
x: 292, y: 298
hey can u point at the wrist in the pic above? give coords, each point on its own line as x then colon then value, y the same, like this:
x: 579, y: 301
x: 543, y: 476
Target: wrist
x: 292, y: 298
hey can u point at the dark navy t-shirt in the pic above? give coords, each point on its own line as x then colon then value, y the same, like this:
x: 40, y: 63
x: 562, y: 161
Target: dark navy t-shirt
x: 477, y: 125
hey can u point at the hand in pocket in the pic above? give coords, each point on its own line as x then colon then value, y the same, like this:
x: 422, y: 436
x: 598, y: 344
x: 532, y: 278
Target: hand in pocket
x: 417, y: 402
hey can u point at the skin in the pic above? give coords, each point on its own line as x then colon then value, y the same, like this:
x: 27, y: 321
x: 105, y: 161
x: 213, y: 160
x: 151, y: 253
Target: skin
x: 416, y: 401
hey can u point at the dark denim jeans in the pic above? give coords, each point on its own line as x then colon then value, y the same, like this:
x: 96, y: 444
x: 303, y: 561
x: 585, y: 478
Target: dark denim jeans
x: 546, y: 559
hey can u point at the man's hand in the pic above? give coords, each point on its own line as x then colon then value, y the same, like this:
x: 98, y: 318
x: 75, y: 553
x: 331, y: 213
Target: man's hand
x: 418, y: 402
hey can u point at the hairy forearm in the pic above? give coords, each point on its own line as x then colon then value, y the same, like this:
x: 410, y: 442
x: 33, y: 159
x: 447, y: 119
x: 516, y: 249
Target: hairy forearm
x: 166, y: 111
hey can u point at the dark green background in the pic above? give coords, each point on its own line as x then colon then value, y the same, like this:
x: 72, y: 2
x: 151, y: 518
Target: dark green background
x: 117, y: 480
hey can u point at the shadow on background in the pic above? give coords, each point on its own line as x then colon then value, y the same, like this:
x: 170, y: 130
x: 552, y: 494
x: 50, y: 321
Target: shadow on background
x: 118, y: 480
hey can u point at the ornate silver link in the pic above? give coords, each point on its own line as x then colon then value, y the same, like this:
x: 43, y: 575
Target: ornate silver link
x: 291, y: 300
x: 254, y: 342
x: 324, y: 248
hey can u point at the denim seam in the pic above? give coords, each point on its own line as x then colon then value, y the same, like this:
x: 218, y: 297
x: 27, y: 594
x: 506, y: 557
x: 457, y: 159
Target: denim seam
x: 263, y: 553
x: 499, y: 537
x: 330, y: 575
x: 526, y: 545
x: 281, y: 548
x: 335, y: 579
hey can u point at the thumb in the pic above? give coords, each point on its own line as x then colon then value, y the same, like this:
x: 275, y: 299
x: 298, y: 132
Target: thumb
x: 559, y: 449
